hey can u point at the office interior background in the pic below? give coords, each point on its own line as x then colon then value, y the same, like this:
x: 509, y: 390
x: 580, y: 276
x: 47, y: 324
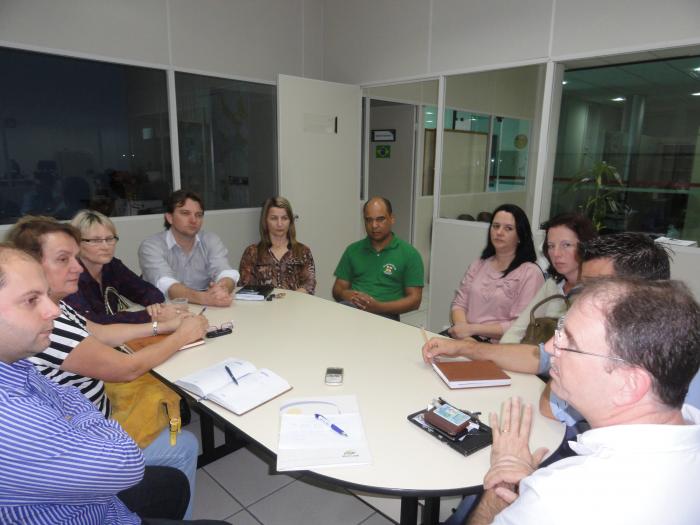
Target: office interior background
x: 447, y: 107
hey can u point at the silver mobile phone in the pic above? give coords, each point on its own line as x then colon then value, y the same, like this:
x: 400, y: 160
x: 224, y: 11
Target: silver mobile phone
x: 334, y: 376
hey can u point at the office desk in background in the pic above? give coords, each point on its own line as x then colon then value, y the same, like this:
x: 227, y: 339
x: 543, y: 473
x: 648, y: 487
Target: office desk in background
x: 299, y: 336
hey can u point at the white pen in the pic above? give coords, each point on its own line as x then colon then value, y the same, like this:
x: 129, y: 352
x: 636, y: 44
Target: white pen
x: 330, y: 425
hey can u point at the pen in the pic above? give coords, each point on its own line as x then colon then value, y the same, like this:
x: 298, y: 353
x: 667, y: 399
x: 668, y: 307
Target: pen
x: 330, y: 425
x: 203, y: 310
x: 233, y: 378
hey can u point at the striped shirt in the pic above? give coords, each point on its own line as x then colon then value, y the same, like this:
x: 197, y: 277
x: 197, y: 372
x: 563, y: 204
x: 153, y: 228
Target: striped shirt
x: 61, y: 461
x: 69, y: 330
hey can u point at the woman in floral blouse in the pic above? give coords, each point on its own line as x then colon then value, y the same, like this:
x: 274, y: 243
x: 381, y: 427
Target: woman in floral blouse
x: 278, y: 259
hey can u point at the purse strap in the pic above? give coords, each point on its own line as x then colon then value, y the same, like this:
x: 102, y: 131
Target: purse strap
x: 546, y: 300
x: 122, y: 303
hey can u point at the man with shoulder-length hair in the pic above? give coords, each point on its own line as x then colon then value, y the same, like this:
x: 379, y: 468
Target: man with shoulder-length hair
x: 183, y: 261
x: 623, y: 357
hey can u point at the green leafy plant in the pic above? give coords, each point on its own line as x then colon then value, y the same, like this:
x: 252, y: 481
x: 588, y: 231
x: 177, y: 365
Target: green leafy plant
x: 607, y: 186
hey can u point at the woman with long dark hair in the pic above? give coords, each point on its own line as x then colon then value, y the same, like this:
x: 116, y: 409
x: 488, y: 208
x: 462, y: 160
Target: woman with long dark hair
x: 502, y: 282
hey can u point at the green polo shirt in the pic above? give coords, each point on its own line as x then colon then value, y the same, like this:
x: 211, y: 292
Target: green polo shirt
x: 384, y: 275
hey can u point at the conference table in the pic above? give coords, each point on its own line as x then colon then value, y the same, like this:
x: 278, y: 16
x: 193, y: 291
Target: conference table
x: 299, y: 336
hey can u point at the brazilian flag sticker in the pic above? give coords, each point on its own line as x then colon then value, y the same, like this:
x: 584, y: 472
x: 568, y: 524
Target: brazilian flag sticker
x: 382, y: 152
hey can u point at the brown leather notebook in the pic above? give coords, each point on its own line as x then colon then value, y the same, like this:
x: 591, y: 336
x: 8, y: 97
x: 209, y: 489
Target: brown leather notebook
x: 137, y: 344
x: 471, y: 374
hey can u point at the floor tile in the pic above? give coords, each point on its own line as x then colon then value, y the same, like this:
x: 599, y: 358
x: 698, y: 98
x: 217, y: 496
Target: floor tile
x: 308, y: 502
x: 388, y: 505
x: 242, y: 518
x: 211, y: 501
x: 377, y: 519
x: 246, y: 476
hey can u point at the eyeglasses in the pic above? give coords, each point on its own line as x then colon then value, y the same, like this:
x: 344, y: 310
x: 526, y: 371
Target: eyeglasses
x: 217, y: 331
x: 99, y: 240
x: 559, y: 340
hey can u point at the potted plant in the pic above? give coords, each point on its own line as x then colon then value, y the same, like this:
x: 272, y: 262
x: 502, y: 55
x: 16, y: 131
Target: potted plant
x: 607, y: 187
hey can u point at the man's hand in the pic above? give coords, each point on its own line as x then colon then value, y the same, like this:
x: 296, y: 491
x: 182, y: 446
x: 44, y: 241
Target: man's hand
x: 363, y: 301
x: 511, y: 459
x: 441, y: 346
x: 217, y: 295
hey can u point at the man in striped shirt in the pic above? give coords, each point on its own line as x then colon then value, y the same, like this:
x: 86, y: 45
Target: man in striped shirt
x: 61, y: 461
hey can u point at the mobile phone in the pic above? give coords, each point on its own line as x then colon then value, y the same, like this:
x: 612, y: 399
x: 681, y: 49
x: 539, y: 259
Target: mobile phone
x: 448, y: 419
x: 334, y: 376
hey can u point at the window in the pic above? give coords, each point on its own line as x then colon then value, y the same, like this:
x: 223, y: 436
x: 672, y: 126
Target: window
x: 486, y: 141
x: 637, y: 126
x: 79, y: 133
x: 228, y: 140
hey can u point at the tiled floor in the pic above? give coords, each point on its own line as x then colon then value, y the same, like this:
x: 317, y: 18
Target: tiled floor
x: 240, y: 488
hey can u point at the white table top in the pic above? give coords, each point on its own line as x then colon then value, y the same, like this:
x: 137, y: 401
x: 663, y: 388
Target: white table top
x: 299, y: 336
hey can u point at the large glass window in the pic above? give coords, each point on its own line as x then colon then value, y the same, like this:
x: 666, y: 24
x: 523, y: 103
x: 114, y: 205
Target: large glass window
x: 627, y: 148
x: 79, y: 133
x: 228, y: 140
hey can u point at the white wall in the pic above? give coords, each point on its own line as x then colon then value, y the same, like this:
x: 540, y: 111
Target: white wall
x: 373, y: 41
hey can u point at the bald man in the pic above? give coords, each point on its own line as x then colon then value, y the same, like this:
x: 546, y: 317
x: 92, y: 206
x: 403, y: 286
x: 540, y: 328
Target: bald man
x: 381, y: 273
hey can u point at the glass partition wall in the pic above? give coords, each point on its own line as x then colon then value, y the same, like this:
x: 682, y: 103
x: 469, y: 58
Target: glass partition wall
x: 487, y: 140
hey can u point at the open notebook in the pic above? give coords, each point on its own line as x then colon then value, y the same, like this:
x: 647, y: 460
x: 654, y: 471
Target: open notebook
x: 235, y: 384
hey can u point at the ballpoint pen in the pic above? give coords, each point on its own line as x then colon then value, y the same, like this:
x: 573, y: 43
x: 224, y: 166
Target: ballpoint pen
x: 233, y: 378
x: 203, y: 310
x: 330, y: 425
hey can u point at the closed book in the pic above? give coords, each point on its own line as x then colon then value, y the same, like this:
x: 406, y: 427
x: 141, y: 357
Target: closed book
x: 135, y: 345
x: 471, y: 374
x: 255, y: 292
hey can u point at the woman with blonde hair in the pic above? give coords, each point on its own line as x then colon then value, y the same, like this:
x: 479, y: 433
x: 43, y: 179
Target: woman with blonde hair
x: 107, y: 287
x: 278, y: 259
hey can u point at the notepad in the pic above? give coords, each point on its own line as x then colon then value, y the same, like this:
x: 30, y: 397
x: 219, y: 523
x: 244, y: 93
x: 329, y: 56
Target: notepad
x: 306, y: 443
x: 254, y: 386
x: 470, y: 374
x: 135, y: 345
x: 255, y: 292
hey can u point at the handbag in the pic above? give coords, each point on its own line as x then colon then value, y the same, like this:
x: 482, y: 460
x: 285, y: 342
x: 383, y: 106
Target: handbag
x: 541, y: 329
x: 144, y: 407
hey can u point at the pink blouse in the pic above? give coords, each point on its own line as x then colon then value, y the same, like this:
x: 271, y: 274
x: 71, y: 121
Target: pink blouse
x: 487, y: 297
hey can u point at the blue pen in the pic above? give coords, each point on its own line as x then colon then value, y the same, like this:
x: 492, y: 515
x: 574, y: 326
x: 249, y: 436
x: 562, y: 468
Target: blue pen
x: 330, y: 425
x: 233, y: 378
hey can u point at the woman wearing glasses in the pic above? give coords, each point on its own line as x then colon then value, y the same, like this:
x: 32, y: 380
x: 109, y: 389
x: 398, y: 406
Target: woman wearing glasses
x: 107, y: 287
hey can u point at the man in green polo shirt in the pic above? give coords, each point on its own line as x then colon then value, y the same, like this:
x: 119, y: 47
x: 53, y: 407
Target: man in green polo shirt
x: 381, y: 273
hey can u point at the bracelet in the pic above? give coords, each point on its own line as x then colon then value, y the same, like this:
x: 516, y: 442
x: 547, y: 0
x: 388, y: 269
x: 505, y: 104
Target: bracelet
x: 155, y: 327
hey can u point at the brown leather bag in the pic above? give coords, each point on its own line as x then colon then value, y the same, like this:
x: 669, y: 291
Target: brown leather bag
x: 542, y: 329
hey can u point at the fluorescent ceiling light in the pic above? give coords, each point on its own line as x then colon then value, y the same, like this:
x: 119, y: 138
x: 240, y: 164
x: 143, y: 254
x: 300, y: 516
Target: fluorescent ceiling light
x: 618, y: 99
x: 428, y: 112
x: 695, y: 94
x: 696, y: 69
x: 564, y: 82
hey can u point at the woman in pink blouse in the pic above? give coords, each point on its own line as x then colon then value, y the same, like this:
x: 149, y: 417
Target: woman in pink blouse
x: 499, y: 285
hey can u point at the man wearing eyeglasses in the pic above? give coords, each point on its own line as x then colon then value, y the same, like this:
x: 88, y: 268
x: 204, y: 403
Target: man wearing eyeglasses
x: 624, y: 357
x: 183, y: 261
